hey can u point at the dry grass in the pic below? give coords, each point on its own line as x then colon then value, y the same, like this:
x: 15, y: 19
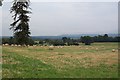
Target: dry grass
x: 68, y: 61
x: 84, y: 56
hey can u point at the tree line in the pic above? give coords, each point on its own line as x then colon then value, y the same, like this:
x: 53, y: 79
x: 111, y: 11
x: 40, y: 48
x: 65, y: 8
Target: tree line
x: 87, y: 40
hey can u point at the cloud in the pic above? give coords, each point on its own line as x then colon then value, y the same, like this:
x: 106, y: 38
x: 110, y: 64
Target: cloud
x: 60, y: 18
x: 70, y: 18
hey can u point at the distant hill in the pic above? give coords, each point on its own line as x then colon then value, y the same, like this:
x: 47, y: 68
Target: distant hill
x: 70, y: 36
x: 79, y: 35
x: 65, y: 35
x: 46, y: 37
x: 92, y: 35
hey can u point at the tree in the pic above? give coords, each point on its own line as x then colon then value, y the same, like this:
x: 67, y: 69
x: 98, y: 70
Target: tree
x: 5, y: 40
x: 87, y: 40
x: 106, y: 35
x: 20, y: 25
x: 11, y: 40
x: 31, y: 42
x: 1, y: 2
x: 58, y: 42
x: 64, y: 39
x: 105, y: 38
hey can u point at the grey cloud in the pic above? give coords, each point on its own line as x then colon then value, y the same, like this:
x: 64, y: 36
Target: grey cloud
x: 71, y: 18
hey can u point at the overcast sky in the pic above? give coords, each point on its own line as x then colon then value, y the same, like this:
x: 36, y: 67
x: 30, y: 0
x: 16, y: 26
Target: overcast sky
x: 56, y: 18
x: 68, y: 0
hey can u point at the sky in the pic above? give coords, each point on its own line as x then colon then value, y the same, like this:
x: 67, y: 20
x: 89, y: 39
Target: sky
x: 58, y: 18
x: 69, y: 0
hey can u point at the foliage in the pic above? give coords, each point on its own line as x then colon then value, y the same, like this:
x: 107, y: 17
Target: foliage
x: 105, y: 38
x: 87, y: 40
x: 5, y: 40
x: 13, y: 40
x: 64, y: 41
x: 58, y: 43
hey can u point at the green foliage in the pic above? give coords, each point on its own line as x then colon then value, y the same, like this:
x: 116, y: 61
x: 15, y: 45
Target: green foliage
x: 13, y: 40
x: 5, y: 40
x: 65, y: 41
x: 106, y: 38
x: 70, y: 41
x: 30, y: 42
x: 58, y: 43
x: 87, y: 40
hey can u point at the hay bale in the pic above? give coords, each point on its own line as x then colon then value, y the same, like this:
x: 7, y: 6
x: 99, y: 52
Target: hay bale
x: 86, y: 48
x: 12, y: 45
x: 16, y: 45
x: 113, y: 50
x: 34, y: 45
x: 51, y: 47
x: 61, y: 46
x: 58, y: 46
x: 97, y: 49
x: 6, y: 44
x: 19, y: 45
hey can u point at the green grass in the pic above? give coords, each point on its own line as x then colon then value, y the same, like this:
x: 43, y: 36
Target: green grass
x: 26, y: 68
x: 66, y: 62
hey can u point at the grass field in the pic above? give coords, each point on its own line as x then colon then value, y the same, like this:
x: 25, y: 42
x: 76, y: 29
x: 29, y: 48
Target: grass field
x: 95, y: 61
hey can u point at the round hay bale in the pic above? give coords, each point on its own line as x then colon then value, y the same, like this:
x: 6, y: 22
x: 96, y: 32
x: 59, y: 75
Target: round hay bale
x: 113, y: 50
x: 61, y: 46
x: 97, y: 49
x: 12, y: 45
x: 34, y: 45
x: 86, y: 48
x: 3, y: 44
x: 19, y: 45
x: 6, y: 44
x: 16, y: 45
x: 51, y: 47
x: 58, y: 47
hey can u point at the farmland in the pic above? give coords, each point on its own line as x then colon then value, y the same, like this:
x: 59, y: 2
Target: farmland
x: 95, y: 61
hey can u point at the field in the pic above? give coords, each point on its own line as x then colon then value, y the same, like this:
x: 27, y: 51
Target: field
x: 95, y: 61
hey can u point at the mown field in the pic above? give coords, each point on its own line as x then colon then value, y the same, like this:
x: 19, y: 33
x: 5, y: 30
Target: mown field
x: 95, y: 61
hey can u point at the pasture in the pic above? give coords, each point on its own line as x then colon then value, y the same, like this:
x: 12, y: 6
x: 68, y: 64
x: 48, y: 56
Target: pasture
x: 95, y: 61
